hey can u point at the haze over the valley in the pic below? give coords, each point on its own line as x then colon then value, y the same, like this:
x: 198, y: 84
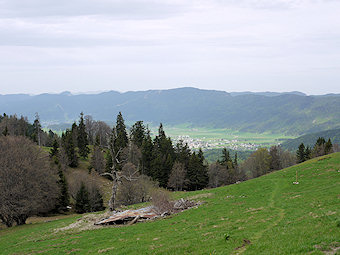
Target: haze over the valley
x: 246, y: 45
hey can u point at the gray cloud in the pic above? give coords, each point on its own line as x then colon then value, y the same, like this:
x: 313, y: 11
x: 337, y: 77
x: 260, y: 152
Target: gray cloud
x: 246, y: 44
x: 117, y: 8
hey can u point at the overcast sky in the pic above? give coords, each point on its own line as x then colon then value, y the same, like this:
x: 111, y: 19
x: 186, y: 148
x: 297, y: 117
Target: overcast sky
x: 230, y: 45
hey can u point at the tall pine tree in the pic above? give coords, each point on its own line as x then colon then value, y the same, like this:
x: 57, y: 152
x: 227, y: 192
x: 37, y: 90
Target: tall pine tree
x: 147, y: 155
x: 121, y: 140
x: 82, y: 138
x: 301, y: 154
x: 82, y: 200
x: 55, y: 148
x: 163, y: 158
x: 67, y: 143
x: 328, y: 146
x: 63, y: 199
x: 197, y: 173
x: 138, y: 133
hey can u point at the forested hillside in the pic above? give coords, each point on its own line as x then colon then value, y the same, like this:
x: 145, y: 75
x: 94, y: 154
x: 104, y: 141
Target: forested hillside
x: 309, y: 139
x: 292, y: 113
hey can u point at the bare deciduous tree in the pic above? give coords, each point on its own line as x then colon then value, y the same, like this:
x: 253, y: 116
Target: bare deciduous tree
x: 94, y: 128
x: 217, y: 175
x: 287, y: 159
x: 132, y: 154
x: 177, y: 176
x: 97, y: 160
x: 27, y: 181
x: 336, y: 147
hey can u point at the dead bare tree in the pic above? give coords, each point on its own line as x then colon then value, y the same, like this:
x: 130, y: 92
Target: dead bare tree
x: 116, y: 174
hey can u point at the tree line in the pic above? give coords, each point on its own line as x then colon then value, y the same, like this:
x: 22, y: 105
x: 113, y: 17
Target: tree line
x: 320, y: 148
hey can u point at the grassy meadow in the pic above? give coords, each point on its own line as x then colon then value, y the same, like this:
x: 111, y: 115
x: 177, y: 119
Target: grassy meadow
x: 267, y: 215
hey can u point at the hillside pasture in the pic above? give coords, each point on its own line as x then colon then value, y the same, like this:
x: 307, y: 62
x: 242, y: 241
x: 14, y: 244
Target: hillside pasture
x: 267, y: 215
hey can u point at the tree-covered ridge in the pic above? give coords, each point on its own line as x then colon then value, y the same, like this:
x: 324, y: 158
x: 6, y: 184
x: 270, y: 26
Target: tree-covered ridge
x: 309, y: 139
x: 284, y: 113
x: 20, y: 126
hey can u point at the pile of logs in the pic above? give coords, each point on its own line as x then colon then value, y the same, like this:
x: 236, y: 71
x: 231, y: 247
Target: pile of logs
x: 130, y: 217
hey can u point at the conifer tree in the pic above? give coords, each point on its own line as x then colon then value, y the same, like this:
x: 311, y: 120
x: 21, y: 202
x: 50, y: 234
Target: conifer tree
x: 319, y: 147
x: 235, y: 162
x: 328, y: 146
x: 163, y: 158
x: 82, y: 200
x: 138, y: 133
x: 63, y: 199
x: 320, y: 141
x: 67, y: 143
x: 95, y: 201
x: 308, y: 153
x: 74, y: 130
x: 82, y: 138
x: 226, y: 159
x: 37, y: 130
x: 147, y: 155
x: 197, y: 173
x: 183, y: 153
x: 275, y: 161
x: 55, y: 149
x: 121, y: 140
x: 301, y: 154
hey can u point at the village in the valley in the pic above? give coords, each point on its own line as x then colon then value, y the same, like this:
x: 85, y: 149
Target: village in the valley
x: 204, y: 144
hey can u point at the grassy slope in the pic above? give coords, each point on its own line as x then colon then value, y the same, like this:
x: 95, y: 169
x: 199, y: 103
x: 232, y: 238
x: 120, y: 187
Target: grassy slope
x: 276, y: 216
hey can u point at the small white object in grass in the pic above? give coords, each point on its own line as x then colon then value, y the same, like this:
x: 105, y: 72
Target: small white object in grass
x: 295, y: 182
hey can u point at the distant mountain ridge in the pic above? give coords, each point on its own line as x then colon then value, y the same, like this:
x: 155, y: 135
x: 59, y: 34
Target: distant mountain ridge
x: 267, y: 93
x: 290, y: 113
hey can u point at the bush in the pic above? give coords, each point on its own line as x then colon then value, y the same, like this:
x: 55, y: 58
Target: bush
x: 161, y: 201
x: 134, y: 188
x: 76, y: 180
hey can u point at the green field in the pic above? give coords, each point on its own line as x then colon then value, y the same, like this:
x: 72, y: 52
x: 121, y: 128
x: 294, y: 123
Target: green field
x: 219, y: 133
x: 267, y: 215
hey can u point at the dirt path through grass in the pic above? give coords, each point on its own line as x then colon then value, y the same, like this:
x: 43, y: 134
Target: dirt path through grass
x: 271, y: 206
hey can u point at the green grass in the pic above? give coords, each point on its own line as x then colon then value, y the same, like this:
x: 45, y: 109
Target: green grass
x: 267, y: 215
